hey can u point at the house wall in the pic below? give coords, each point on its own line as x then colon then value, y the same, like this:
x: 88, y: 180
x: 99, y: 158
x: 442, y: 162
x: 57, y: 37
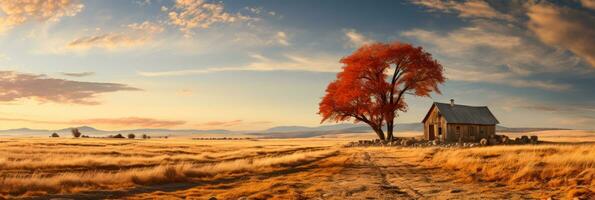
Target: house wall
x: 436, y: 122
x: 469, y: 132
x: 450, y: 133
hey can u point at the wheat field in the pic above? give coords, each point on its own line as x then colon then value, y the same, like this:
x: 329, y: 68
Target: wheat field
x: 315, y: 168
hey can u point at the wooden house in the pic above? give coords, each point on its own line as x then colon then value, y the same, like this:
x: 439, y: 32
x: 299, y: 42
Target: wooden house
x: 459, y: 123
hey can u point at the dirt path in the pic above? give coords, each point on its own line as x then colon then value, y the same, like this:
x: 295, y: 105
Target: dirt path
x: 352, y: 173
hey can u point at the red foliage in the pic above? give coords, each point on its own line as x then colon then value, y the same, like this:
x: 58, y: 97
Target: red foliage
x: 373, y: 83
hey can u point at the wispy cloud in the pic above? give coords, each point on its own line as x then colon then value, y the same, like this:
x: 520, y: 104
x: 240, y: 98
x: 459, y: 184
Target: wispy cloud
x: 565, y: 28
x: 118, y: 122
x: 465, y: 9
x: 191, y: 14
x: 291, y: 62
x: 135, y: 34
x: 21, y: 12
x: 231, y: 123
x: 503, y: 78
x: 78, y: 74
x: 14, y: 86
x: 130, y: 122
x: 491, y: 52
x: 355, y: 39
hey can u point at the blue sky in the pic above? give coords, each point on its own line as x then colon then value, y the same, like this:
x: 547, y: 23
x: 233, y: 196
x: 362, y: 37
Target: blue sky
x: 246, y: 65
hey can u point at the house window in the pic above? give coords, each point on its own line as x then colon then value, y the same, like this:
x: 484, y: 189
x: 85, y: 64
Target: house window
x: 471, y: 131
x: 458, y: 131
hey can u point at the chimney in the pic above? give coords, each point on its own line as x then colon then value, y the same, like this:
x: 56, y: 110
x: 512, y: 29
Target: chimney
x: 452, y: 103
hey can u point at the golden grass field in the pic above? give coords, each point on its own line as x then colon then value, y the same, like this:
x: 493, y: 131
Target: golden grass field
x: 315, y: 168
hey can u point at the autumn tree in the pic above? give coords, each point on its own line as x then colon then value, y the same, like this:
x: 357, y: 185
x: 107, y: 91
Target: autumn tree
x: 373, y: 84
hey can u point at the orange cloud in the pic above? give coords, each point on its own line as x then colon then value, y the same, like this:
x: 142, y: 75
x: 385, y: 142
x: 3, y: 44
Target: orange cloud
x: 135, y: 34
x: 190, y: 14
x: 15, y: 86
x: 130, y: 121
x: 232, y: 123
x: 23, y: 11
x: 120, y: 122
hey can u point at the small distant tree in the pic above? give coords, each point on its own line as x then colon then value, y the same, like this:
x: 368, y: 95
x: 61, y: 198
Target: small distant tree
x: 118, y: 136
x: 131, y: 136
x: 145, y: 136
x: 55, y: 135
x: 75, y: 132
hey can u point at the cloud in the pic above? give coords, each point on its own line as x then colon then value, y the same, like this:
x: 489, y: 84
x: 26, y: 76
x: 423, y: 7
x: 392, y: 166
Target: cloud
x: 15, y: 86
x: 564, y: 28
x: 129, y: 122
x: 121, y: 122
x: 191, y: 14
x: 505, y: 54
x: 135, y: 34
x: 356, y: 39
x: 574, y: 115
x: 222, y: 123
x: 21, y: 12
x: 231, y: 123
x: 588, y: 4
x: 291, y: 62
x: 503, y: 78
x: 282, y: 38
x: 467, y: 9
x: 185, y: 92
x: 79, y: 74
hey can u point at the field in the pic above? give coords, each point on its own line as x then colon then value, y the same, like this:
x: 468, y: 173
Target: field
x: 314, y: 168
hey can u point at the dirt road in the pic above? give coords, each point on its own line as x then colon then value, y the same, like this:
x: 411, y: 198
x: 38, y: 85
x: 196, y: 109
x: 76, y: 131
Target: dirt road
x: 351, y: 173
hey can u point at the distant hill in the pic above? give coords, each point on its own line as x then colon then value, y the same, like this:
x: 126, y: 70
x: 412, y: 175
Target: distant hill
x: 87, y: 130
x: 274, y: 132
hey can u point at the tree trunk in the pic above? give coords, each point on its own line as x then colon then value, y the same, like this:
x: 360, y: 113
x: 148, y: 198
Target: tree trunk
x: 389, y: 130
x: 379, y: 132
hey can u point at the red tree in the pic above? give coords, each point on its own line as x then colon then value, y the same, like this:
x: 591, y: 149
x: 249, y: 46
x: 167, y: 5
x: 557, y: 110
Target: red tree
x: 374, y: 81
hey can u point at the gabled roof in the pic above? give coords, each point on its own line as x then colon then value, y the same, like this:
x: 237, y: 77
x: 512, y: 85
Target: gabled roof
x: 462, y: 114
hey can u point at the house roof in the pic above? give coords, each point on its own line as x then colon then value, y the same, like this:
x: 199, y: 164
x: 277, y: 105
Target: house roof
x: 462, y: 114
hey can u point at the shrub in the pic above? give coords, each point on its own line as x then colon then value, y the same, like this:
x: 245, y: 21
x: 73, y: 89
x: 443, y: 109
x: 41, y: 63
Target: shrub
x: 145, y: 136
x: 118, y: 136
x: 55, y: 135
x: 131, y: 136
x: 75, y: 132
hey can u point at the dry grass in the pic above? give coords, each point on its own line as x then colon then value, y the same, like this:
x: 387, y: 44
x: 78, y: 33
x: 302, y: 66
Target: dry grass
x: 566, y: 168
x: 46, y: 166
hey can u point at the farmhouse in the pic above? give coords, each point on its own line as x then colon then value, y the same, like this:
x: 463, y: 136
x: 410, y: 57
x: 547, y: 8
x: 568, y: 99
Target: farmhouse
x: 459, y: 123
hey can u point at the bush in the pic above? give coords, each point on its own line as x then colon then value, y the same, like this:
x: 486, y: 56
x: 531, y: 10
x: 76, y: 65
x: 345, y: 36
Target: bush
x: 118, y: 136
x: 75, y: 132
x: 55, y: 135
x: 131, y: 136
x: 145, y: 136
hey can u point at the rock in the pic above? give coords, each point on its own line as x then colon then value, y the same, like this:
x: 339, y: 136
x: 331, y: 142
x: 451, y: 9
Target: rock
x: 213, y: 198
x: 483, y: 142
x: 435, y: 142
x: 455, y: 190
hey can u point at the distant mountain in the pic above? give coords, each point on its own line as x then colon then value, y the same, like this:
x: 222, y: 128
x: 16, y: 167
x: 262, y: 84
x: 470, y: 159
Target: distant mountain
x: 87, y: 130
x: 274, y: 132
x: 350, y: 128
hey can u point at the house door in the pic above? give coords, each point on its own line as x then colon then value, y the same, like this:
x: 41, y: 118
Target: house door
x: 431, y: 135
x: 440, y: 133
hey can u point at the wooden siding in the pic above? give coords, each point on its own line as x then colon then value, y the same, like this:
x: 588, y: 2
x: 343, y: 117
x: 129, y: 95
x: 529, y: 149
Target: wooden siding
x: 455, y: 132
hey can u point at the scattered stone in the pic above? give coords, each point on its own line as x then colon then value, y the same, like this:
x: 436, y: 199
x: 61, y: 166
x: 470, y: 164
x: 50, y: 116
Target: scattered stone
x: 483, y: 142
x: 455, y: 190
x: 213, y: 198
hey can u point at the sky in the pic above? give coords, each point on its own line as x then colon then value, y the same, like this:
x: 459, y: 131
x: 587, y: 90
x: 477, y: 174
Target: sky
x: 251, y: 65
